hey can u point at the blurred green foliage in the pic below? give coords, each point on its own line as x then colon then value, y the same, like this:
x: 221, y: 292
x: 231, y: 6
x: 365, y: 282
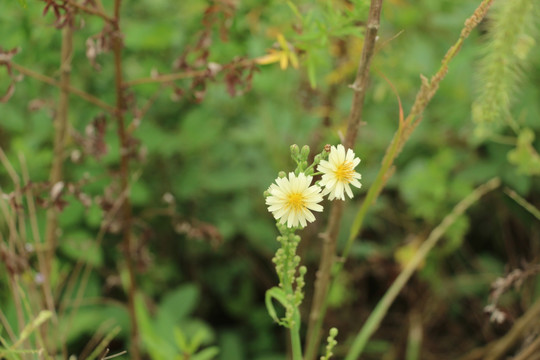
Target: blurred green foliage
x: 205, y: 254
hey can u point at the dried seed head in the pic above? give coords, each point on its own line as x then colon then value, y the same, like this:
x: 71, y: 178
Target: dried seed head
x: 56, y: 190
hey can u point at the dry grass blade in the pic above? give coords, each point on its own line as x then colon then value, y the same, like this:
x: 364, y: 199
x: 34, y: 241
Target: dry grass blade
x: 524, y: 203
x: 102, y: 346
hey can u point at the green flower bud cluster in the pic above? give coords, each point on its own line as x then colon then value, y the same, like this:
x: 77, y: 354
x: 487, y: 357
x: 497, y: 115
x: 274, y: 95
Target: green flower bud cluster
x: 300, y: 283
x: 290, y: 273
x: 286, y: 260
x: 300, y: 157
x: 331, y: 343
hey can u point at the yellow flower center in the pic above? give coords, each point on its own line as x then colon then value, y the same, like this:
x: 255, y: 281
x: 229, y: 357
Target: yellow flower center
x: 295, y: 201
x: 345, y: 172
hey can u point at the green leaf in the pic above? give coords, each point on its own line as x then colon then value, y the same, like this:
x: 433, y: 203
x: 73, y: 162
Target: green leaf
x: 206, y: 354
x: 524, y: 156
x: 88, y: 318
x: 278, y: 294
x: 202, y: 334
x: 180, y: 339
x: 311, y: 71
x: 158, y: 348
x: 178, y: 304
x: 81, y: 246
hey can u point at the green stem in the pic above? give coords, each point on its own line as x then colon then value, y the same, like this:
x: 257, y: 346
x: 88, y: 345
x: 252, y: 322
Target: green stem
x: 295, y: 336
x: 374, y: 320
x: 374, y: 190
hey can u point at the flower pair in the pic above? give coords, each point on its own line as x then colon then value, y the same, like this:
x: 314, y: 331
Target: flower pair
x: 292, y: 198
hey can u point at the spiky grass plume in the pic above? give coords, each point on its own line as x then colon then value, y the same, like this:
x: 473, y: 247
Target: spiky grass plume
x: 512, y: 26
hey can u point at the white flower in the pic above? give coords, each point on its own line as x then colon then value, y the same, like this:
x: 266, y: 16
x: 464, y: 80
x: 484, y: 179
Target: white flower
x: 338, y: 173
x: 292, y: 199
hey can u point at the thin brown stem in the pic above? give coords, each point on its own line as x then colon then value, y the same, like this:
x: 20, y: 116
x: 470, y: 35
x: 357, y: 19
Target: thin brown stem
x: 167, y: 78
x: 330, y: 237
x: 49, y: 80
x: 60, y: 130
x: 124, y: 178
x: 56, y: 174
x: 90, y: 10
x: 362, y: 76
x: 45, y: 288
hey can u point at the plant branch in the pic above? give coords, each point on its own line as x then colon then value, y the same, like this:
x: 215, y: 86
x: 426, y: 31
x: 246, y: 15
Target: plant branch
x: 167, y: 78
x: 56, y: 175
x: 328, y: 253
x: 60, y: 130
x: 90, y: 10
x: 48, y: 80
x: 362, y: 76
x: 376, y: 316
x: 124, y: 178
x: 424, y: 96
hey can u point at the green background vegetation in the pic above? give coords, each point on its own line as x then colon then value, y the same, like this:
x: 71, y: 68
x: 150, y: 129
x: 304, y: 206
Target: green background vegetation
x: 203, y: 260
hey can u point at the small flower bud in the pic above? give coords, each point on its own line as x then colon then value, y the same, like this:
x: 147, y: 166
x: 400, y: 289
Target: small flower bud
x: 333, y: 332
x: 327, y: 148
x: 317, y: 159
x: 282, y: 174
x: 295, y: 150
x: 305, y: 151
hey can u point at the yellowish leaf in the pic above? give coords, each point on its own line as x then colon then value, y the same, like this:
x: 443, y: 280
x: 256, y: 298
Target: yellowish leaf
x: 271, y: 58
x: 284, y: 61
x: 281, y: 40
x: 294, y: 59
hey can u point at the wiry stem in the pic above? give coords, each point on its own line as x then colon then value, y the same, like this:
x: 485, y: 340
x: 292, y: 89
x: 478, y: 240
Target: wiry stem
x: 90, y: 10
x: 167, y: 78
x: 64, y: 87
x: 56, y: 174
x: 124, y: 179
x: 60, y: 130
x: 318, y: 308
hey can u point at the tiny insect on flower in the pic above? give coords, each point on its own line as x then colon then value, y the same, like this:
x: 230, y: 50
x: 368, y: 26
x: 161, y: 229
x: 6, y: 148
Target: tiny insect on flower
x: 292, y: 198
x: 338, y: 173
